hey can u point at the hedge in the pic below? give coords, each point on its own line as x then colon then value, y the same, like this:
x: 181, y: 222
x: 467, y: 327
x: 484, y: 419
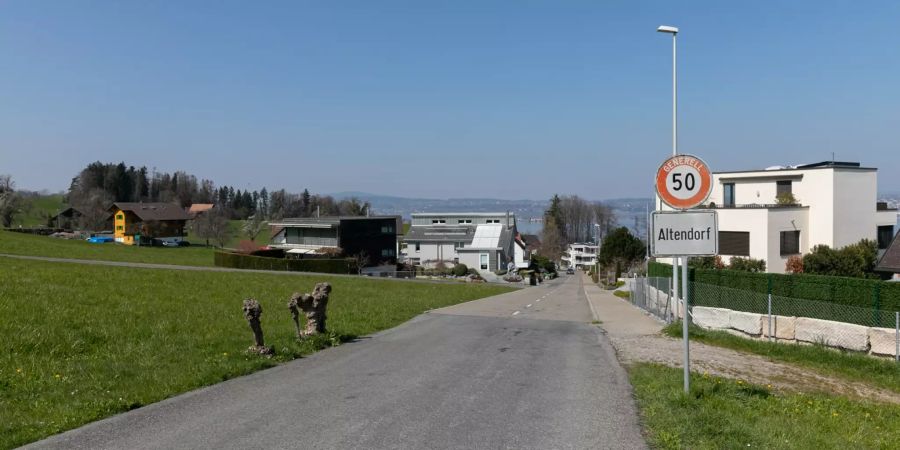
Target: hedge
x: 240, y: 261
x: 859, y: 292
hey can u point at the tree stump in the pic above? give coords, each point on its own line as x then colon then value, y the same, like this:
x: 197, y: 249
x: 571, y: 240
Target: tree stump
x: 314, y: 306
x: 252, y: 312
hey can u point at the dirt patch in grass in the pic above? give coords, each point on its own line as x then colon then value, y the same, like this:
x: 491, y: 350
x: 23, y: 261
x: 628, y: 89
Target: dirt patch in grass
x: 753, y: 368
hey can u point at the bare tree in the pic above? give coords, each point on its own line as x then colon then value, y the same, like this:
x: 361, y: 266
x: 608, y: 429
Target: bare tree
x: 94, y: 208
x: 11, y: 203
x: 552, y: 242
x: 361, y: 260
x: 213, y: 225
x: 253, y: 226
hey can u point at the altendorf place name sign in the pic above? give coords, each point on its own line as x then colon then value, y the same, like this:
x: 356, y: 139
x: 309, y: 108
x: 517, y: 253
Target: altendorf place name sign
x: 685, y: 233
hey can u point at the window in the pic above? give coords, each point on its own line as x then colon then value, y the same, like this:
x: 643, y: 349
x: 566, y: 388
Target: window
x: 790, y: 242
x: 784, y: 187
x: 387, y: 252
x: 459, y: 245
x: 438, y: 221
x: 120, y: 217
x: 484, y: 261
x: 462, y: 221
x: 387, y: 229
x: 119, y: 228
x: 885, y: 236
x: 493, y: 221
x: 734, y: 243
x: 729, y: 195
x: 418, y: 246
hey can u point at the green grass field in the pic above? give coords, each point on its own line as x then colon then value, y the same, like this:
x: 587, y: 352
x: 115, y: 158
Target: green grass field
x: 33, y: 245
x: 39, y: 208
x: 849, y: 365
x: 84, y: 342
x: 723, y: 413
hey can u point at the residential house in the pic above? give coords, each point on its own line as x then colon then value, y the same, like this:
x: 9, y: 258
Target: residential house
x: 373, y: 238
x: 199, y: 208
x: 780, y: 212
x: 138, y: 223
x: 889, y: 262
x: 581, y: 255
x: 482, y: 241
x: 67, y: 219
x: 526, y: 245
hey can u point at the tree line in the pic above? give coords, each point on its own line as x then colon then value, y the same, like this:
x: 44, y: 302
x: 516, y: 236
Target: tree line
x: 100, y: 184
x: 571, y: 219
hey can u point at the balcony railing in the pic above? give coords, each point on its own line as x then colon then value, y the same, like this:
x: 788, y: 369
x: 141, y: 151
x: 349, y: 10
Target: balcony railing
x: 313, y: 241
x: 751, y: 206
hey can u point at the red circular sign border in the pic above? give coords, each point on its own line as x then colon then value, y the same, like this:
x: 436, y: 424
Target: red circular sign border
x: 705, y: 180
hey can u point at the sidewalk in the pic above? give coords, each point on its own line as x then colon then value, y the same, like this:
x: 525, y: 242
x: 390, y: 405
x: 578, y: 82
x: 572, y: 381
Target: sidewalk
x: 617, y: 317
x: 636, y: 338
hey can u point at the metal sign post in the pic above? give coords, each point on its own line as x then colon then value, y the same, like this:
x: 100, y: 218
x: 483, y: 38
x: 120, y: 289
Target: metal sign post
x: 684, y: 182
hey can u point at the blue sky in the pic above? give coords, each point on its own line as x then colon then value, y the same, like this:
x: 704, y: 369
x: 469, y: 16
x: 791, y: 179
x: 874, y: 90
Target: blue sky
x: 443, y: 99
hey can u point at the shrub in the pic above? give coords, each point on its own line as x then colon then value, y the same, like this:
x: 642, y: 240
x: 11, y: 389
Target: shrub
x: 240, y: 261
x: 859, y: 292
x: 794, y: 264
x: 460, y: 270
x: 747, y: 264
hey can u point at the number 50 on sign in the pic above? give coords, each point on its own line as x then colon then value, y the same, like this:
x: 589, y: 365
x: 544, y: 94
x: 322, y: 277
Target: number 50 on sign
x: 683, y: 181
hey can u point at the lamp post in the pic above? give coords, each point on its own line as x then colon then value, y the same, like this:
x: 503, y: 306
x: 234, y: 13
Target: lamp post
x: 675, y: 261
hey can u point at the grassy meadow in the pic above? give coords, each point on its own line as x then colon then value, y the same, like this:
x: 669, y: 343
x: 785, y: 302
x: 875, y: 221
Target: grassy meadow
x: 82, y: 342
x: 38, y: 209
x: 724, y: 413
x: 34, y: 245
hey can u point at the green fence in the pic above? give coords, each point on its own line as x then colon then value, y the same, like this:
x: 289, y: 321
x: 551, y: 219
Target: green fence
x: 240, y: 261
x: 875, y: 295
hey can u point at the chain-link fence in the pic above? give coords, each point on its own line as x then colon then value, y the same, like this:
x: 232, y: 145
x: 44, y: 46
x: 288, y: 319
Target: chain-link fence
x: 653, y: 295
x: 775, y: 317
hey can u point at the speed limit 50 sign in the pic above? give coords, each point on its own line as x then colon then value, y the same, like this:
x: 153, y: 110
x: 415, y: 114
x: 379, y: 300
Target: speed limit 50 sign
x: 683, y: 181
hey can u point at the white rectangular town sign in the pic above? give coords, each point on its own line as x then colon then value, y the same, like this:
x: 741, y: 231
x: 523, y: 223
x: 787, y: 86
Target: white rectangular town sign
x: 685, y: 233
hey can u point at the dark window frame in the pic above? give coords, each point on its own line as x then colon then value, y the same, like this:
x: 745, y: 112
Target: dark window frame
x: 734, y: 243
x: 725, y: 192
x: 789, y: 242
x: 883, y: 239
x: 784, y: 187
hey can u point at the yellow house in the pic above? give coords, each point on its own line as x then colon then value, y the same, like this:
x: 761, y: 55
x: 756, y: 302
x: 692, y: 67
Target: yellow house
x: 133, y: 222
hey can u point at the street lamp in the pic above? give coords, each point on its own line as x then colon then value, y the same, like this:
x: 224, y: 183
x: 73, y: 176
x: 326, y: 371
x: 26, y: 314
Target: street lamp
x: 674, y: 32
x: 675, y: 261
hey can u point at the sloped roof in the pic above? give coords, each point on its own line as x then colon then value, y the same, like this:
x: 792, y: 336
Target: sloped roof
x: 152, y: 211
x: 197, y: 208
x: 532, y: 242
x: 890, y: 260
x: 487, y: 236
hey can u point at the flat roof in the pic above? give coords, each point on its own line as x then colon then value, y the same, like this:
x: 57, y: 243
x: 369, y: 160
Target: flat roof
x: 323, y: 221
x: 843, y: 165
x: 461, y: 214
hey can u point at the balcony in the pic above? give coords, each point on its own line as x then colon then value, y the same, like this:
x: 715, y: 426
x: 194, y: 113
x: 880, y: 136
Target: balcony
x: 753, y: 206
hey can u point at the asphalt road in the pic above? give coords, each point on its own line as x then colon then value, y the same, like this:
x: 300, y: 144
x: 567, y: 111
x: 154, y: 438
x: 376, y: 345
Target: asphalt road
x: 520, y: 370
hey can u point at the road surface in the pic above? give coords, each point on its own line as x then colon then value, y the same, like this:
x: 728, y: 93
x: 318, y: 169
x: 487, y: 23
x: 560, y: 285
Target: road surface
x: 520, y: 370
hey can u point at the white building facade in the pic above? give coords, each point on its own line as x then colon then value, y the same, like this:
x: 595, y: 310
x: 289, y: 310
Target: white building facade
x: 482, y: 241
x: 581, y: 256
x: 834, y: 204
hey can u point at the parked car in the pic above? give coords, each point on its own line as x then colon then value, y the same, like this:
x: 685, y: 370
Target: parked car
x: 570, y: 271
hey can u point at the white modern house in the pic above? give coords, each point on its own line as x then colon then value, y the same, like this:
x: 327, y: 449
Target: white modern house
x: 834, y: 203
x: 482, y: 241
x: 581, y: 256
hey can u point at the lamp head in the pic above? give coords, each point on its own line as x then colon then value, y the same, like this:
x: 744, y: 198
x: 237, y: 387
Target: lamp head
x: 667, y: 29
